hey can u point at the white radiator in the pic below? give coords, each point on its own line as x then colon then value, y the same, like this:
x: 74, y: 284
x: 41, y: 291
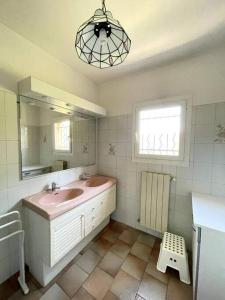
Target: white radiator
x: 155, y: 190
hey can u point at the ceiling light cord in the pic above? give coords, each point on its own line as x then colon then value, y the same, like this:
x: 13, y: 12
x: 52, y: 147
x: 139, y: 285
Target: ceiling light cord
x: 103, y: 6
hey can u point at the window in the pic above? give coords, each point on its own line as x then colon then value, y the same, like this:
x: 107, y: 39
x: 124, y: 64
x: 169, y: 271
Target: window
x: 162, y: 131
x: 62, y: 135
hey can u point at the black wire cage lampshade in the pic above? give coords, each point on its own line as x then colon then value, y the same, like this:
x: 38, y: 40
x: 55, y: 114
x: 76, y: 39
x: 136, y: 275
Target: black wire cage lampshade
x: 101, y: 41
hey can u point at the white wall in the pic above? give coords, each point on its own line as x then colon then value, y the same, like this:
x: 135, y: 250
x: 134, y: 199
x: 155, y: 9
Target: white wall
x: 19, y: 58
x: 202, y: 76
x: 12, y: 189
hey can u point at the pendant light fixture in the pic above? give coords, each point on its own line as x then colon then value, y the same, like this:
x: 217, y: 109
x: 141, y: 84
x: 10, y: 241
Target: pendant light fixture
x: 101, y: 41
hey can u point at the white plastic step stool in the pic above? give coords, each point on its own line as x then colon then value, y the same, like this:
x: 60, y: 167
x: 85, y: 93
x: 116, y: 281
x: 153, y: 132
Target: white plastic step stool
x: 173, y: 254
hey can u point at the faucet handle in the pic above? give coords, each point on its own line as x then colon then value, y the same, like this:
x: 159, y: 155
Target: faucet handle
x: 54, y: 186
x: 84, y: 176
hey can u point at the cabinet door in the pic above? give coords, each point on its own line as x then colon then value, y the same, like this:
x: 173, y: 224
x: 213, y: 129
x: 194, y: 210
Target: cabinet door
x: 90, y: 215
x: 100, y: 211
x: 110, y: 201
x: 66, y: 233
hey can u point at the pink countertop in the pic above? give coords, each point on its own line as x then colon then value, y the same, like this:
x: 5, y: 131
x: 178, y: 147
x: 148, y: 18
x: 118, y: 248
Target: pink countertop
x: 50, y: 211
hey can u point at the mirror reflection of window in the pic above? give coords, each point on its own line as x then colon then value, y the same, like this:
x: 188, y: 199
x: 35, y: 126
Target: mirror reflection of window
x: 62, y: 135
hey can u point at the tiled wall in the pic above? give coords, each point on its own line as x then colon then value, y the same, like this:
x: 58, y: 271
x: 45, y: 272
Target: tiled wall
x: 12, y: 190
x: 206, y: 172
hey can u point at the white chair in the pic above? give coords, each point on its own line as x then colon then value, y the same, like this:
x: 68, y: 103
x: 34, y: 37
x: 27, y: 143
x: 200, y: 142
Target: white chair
x: 173, y: 254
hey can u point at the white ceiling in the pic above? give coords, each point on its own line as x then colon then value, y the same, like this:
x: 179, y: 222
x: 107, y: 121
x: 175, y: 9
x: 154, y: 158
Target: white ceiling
x: 159, y: 29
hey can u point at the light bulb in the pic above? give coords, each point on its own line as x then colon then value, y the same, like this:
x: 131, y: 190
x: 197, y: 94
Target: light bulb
x: 103, y: 37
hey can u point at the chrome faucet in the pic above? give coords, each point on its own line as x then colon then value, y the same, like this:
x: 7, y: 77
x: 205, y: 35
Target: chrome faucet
x: 84, y: 176
x: 54, y: 187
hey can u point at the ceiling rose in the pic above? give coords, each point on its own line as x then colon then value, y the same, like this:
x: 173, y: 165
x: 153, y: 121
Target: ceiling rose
x: 101, y: 41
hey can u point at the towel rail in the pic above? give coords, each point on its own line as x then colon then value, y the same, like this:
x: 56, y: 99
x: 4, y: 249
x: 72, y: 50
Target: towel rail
x: 20, y: 233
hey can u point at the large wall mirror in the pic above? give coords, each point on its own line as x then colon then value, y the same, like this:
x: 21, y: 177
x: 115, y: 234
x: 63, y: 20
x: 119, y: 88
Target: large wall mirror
x: 54, y: 138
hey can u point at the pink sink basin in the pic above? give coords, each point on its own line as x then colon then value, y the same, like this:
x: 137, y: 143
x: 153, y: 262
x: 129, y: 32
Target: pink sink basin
x: 59, y: 197
x: 96, y: 181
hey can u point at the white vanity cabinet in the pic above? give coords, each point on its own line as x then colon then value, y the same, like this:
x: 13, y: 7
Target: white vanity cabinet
x: 208, y: 247
x: 53, y: 243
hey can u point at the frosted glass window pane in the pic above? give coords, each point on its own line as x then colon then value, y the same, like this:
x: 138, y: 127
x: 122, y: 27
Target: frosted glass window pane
x: 159, y: 131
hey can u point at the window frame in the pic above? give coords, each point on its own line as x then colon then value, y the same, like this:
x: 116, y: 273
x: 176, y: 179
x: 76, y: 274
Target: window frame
x: 63, y: 152
x: 184, y: 150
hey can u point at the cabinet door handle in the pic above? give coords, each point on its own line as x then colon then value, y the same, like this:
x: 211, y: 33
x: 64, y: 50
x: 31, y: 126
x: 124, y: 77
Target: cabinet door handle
x: 83, y: 225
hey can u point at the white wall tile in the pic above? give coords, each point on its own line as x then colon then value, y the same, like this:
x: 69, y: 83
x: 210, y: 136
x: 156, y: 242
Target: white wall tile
x: 2, y: 152
x: 202, y: 171
x: 183, y: 187
x: 17, y: 193
x: 203, y: 152
x: 2, y: 103
x: 185, y: 172
x: 201, y: 186
x: 218, y: 189
x: 218, y: 173
x: 205, y: 114
x: 12, y: 152
x: 183, y: 205
x: 220, y: 113
x: 219, y: 154
x: 3, y: 177
x: 4, y: 205
x: 11, y: 116
x: 2, y: 129
x: 11, y: 129
x: 12, y: 174
x: 204, y: 133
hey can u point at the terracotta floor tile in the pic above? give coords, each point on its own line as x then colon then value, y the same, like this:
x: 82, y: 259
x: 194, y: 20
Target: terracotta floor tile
x: 129, y: 237
x: 134, y: 266
x: 82, y: 294
x: 141, y: 251
x: 121, y: 249
x: 125, y: 286
x: 110, y: 296
x: 98, y: 283
x: 178, y: 290
x: 111, y: 263
x: 152, y: 289
x: 88, y: 246
x: 88, y: 261
x: 110, y: 235
x: 55, y: 293
x: 152, y: 270
x: 154, y: 255
x: 157, y: 243
x: 6, y: 290
x: 116, y: 226
x: 34, y: 293
x: 72, y: 280
x: 146, y: 239
x: 101, y: 246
